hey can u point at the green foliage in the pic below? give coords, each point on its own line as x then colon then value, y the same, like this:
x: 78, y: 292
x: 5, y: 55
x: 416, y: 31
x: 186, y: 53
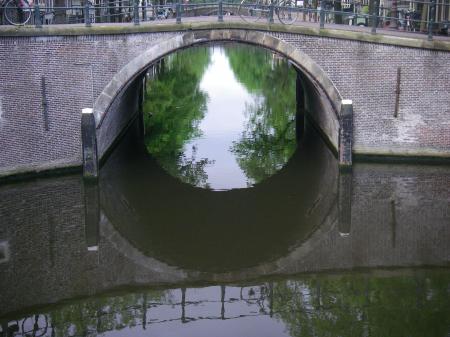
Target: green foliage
x: 92, y: 317
x: 174, y: 106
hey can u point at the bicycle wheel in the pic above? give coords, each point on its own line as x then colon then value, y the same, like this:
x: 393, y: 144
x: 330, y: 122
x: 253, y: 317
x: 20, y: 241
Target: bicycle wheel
x: 287, y: 12
x: 252, y: 10
x: 17, y: 12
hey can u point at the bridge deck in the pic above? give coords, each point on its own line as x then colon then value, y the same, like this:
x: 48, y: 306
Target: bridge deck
x: 360, y: 33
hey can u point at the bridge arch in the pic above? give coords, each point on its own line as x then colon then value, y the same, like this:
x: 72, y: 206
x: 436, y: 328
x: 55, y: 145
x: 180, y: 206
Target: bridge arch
x: 328, y: 109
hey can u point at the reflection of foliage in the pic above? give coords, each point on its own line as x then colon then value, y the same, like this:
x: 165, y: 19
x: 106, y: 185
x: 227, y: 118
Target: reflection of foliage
x: 356, y: 305
x: 269, y: 139
x: 414, y: 305
x: 192, y: 170
x: 174, y: 106
x: 95, y: 316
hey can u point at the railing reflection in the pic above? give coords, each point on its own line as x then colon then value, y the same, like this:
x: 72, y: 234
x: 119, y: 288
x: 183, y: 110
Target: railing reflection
x: 392, y: 302
x: 257, y: 298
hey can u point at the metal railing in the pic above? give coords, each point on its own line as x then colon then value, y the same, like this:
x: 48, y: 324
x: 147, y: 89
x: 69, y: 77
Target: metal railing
x: 427, y: 17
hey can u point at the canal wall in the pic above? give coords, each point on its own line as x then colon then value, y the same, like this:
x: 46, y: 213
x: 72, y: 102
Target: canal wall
x: 398, y: 86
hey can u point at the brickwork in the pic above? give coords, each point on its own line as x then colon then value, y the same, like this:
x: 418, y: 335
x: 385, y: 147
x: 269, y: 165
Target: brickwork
x: 366, y: 73
x: 77, y: 68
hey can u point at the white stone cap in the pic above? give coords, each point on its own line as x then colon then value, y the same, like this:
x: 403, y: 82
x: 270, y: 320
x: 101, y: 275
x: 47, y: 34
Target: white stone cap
x: 347, y: 102
x: 92, y: 248
x: 87, y: 111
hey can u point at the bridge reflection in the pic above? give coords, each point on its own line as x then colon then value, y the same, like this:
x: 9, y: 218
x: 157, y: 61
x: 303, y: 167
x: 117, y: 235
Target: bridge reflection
x: 84, y: 243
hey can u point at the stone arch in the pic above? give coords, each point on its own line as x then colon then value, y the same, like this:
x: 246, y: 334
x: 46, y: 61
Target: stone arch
x: 328, y: 119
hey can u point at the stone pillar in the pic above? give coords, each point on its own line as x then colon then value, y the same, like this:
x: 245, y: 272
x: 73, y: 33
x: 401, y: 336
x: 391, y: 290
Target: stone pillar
x: 346, y: 134
x: 300, y: 113
x: 89, y: 144
x: 345, y: 202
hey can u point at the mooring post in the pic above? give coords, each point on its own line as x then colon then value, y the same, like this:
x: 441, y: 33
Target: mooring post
x: 91, y: 214
x: 89, y: 144
x: 346, y: 134
x: 345, y: 202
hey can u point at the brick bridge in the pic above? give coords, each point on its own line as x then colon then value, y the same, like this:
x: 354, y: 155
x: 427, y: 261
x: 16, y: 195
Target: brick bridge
x: 399, y: 87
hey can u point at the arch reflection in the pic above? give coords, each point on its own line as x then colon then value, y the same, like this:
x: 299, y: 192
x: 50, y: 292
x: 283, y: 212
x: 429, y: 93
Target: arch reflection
x: 209, y: 231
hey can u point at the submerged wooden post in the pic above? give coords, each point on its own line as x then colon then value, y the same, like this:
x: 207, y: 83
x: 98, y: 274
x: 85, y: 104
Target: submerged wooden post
x: 346, y: 134
x: 89, y: 144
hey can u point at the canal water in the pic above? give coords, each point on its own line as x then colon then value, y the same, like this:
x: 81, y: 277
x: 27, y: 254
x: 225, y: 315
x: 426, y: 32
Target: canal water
x: 224, y: 218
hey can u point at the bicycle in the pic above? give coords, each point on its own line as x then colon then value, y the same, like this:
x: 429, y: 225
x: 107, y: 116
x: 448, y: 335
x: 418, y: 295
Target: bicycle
x: 286, y: 10
x: 16, y: 12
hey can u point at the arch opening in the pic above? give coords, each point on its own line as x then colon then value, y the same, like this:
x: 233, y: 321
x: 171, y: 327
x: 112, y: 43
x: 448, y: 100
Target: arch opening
x: 110, y: 120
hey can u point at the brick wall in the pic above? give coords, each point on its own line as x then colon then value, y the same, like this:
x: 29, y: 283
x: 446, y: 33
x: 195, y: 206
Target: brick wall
x: 77, y: 68
x: 367, y: 74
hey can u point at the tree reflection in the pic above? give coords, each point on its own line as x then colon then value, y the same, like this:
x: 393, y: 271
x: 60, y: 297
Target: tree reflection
x: 174, y: 106
x: 268, y: 140
x: 352, y: 305
x: 412, y: 304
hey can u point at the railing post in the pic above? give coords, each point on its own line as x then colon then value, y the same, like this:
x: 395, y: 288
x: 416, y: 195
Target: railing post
x: 431, y: 20
x: 178, y: 11
x: 374, y: 17
x: 87, y: 18
x: 321, y: 18
x: 37, y: 15
x: 220, y: 18
x: 144, y: 10
x: 271, y: 10
x: 136, y: 12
